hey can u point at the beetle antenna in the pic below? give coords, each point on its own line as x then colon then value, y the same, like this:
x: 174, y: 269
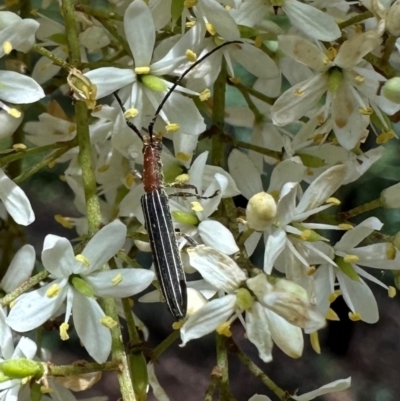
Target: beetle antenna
x: 178, y: 81
x: 128, y: 123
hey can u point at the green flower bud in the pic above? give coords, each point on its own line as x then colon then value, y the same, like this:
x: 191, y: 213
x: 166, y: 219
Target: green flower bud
x: 20, y: 368
x: 347, y: 269
x: 260, y: 211
x: 186, y: 218
x: 154, y: 83
x: 140, y: 379
x: 82, y: 286
x: 391, y: 90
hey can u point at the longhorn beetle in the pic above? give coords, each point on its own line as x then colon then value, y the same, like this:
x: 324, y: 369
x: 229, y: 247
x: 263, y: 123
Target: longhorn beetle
x: 157, y: 214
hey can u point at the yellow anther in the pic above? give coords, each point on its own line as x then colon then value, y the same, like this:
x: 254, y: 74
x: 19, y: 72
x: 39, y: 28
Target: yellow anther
x: 210, y: 29
x: 351, y: 258
x: 331, y: 53
x: 258, y: 41
x: 299, y: 92
x: 129, y: 179
x: 326, y: 60
x: 53, y: 291
x: 185, y: 157
x: 360, y: 79
x: 314, y: 340
x: 318, y: 138
x: 224, y: 329
x: 182, y: 178
x: 51, y: 164
x: 108, y: 322
x: 190, y: 3
x: 391, y: 252
x: 366, y: 111
x: 172, y: 127
x: 333, y: 201
x: 117, y: 279
x: 227, y: 8
x: 83, y: 259
x: 190, y: 24
x: 385, y: 137
x: 131, y: 113
x: 7, y: 47
x: 355, y: 317
x: 311, y: 270
x: 345, y: 226
x: 64, y: 331
x: 205, y: 95
x: 142, y: 70
x: 191, y: 55
x: 46, y: 390
x: 332, y: 297
x: 392, y: 292
x: 14, y: 112
x: 331, y: 315
x: 19, y: 146
x: 178, y: 325
x: 235, y: 80
x: 103, y: 168
x: 196, y: 206
x: 66, y: 222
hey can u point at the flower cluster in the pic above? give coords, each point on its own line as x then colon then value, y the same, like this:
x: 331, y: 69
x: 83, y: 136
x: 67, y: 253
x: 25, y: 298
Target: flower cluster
x: 309, y: 84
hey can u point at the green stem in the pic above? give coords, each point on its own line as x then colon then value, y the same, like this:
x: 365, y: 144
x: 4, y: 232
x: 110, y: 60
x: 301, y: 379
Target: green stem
x: 110, y: 26
x: 81, y: 368
x: 218, y: 117
x: 258, y: 95
x: 24, y: 287
x: 98, y: 13
x: 356, y: 19
x: 257, y: 372
x: 48, y: 160
x: 386, y: 68
x: 214, y: 381
x: 222, y: 364
x: 361, y: 209
x: 388, y: 48
x: 46, y: 53
x: 257, y: 115
x: 164, y: 345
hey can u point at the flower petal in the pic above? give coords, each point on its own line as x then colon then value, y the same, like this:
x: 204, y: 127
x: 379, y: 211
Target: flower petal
x: 217, y: 236
x: 95, y: 337
x: 120, y: 283
x: 58, y: 256
x: 15, y: 201
x: 34, y: 308
x: 338, y: 385
x: 208, y: 318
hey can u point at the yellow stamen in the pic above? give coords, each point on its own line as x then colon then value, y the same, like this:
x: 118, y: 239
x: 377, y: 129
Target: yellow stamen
x: 83, y: 259
x: 103, y: 168
x: 205, y: 95
x: 392, y: 292
x: 64, y: 331
x: 190, y: 3
x: 332, y: 297
x: 51, y: 164
x: 210, y: 29
x: 14, y: 112
x: 385, y: 137
x: 314, y: 340
x: 182, y: 178
x: 190, y: 24
x: 331, y: 53
x: 224, y: 329
x: 391, y: 252
x: 196, y: 206
x: 333, y: 201
x: 185, y: 157
x: 66, y: 222
x: 129, y: 179
x: 108, y: 322
x: 131, y: 113
x: 367, y: 111
x: 7, y: 47
x: 142, y: 70
x: 19, y: 146
x: 117, y: 279
x: 306, y: 234
x: 172, y: 127
x: 177, y: 325
x: 258, y: 41
x: 360, y: 79
x: 299, y: 92
x: 235, y: 80
x: 351, y: 258
x: 53, y: 291
x: 345, y: 226
x: 191, y: 55
x: 331, y: 315
x: 311, y: 270
x: 355, y: 317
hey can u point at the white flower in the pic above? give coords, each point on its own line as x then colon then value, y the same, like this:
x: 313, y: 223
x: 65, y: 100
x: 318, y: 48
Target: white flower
x: 349, y: 83
x: 276, y: 314
x: 356, y: 293
x: 78, y: 280
x: 15, y: 201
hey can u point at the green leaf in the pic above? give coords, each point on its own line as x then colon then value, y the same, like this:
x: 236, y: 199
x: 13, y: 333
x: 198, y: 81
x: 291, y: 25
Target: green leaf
x: 347, y: 269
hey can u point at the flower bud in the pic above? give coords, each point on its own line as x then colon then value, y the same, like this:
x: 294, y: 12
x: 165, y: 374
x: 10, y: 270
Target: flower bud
x: 391, y: 90
x: 20, y: 368
x: 393, y: 19
x: 260, y: 211
x: 390, y: 197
